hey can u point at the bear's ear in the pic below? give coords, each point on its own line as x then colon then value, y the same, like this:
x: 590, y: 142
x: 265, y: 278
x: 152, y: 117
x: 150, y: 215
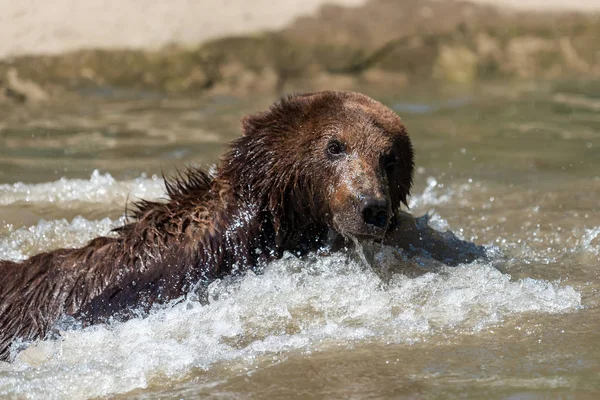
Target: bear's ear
x: 248, y: 125
x: 261, y: 121
x: 287, y: 112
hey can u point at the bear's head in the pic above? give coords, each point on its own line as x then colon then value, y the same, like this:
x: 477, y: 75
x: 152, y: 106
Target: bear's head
x: 338, y: 160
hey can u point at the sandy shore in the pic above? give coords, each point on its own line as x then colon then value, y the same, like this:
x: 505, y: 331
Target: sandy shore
x: 43, y: 27
x: 545, y: 5
x: 50, y: 27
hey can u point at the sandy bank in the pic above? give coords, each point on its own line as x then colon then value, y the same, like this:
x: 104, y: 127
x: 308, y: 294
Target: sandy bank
x: 43, y: 27
x: 51, y: 27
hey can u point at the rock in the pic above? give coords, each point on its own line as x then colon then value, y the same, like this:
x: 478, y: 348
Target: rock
x: 455, y: 64
x: 522, y: 54
x: 21, y: 90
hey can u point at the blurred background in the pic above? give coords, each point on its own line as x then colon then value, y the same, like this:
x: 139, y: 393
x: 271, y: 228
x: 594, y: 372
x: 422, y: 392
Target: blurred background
x: 133, y: 86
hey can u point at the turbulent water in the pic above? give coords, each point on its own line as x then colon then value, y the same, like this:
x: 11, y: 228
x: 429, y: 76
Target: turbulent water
x: 515, y: 170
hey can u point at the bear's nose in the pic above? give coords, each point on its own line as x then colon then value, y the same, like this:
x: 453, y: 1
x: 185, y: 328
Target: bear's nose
x: 376, y: 212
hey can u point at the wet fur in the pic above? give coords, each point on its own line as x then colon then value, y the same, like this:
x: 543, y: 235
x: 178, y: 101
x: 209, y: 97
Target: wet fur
x: 259, y: 204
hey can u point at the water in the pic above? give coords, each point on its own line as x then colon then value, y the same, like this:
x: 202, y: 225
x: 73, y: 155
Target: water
x: 514, y: 168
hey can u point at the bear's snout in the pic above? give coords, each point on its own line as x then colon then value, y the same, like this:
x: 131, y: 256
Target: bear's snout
x: 376, y: 212
x: 362, y: 213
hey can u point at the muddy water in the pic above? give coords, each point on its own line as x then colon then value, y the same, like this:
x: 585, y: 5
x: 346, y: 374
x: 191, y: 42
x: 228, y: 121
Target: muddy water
x: 514, y: 168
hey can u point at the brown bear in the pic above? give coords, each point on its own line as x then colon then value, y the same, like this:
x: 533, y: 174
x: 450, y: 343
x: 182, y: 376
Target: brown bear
x: 312, y: 171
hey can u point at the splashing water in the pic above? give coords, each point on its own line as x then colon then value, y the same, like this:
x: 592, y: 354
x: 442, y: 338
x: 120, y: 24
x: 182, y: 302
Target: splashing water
x: 295, y: 305
x: 100, y: 188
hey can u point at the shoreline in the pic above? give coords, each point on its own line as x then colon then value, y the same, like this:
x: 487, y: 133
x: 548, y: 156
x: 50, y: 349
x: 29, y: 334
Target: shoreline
x: 32, y: 28
x: 338, y: 47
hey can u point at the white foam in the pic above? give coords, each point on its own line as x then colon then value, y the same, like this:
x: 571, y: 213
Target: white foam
x: 590, y: 241
x: 294, y: 305
x: 438, y: 193
x: 46, y: 235
x: 100, y: 188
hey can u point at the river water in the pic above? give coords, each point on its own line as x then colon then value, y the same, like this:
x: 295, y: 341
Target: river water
x: 513, y: 167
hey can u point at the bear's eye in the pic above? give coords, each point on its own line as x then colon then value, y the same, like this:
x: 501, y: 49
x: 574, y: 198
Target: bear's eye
x: 335, y: 148
x: 389, y: 160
